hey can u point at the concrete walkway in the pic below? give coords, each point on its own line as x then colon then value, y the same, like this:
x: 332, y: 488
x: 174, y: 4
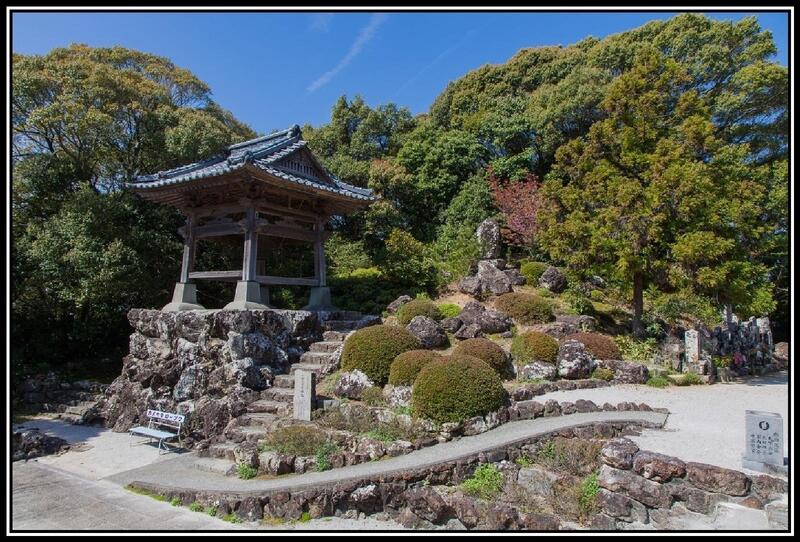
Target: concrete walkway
x: 179, y: 473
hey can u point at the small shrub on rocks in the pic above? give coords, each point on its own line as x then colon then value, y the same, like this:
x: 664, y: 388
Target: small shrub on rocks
x: 598, y: 345
x: 657, y: 381
x: 689, y: 379
x: 406, y: 366
x: 418, y: 307
x: 373, y: 396
x: 485, y: 483
x: 196, y: 507
x: 231, y: 518
x: 633, y: 350
x: 525, y: 308
x: 373, y: 349
x: 587, y: 500
x: 534, y: 346
x: 532, y: 271
x: 322, y: 455
x: 211, y: 511
x: 305, y: 517
x: 295, y: 440
x: 569, y: 455
x: 603, y: 373
x: 456, y: 388
x: 449, y: 310
x: 246, y: 472
x: 176, y: 501
x: 487, y: 351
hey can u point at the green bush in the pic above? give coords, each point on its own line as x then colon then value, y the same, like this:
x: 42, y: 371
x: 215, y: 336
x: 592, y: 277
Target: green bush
x: 372, y: 350
x: 485, y: 483
x: 211, y: 511
x: 534, y: 346
x: 366, y: 290
x: 722, y: 362
x: 633, y: 350
x: 532, y: 271
x: 373, y: 396
x: 525, y: 308
x: 449, y: 310
x: 322, y: 455
x: 196, y: 507
x: 689, y: 379
x: 418, y: 307
x: 603, y: 373
x: 406, y: 366
x: 295, y: 440
x: 246, y: 472
x: 577, y: 301
x: 657, y: 381
x: 408, y: 261
x: 456, y: 388
x: 598, y: 345
x: 587, y: 500
x: 487, y: 351
x: 345, y: 256
x: 231, y: 518
x: 176, y: 501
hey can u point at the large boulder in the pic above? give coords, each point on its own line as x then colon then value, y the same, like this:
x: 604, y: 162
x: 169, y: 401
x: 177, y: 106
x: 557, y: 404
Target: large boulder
x: 487, y: 320
x: 516, y: 278
x: 537, y: 371
x: 781, y: 355
x: 626, y: 372
x: 30, y: 443
x: 352, y: 384
x: 429, y: 332
x: 395, y: 305
x: 492, y: 279
x: 553, y: 279
x: 574, y: 361
x: 470, y: 286
x: 488, y: 234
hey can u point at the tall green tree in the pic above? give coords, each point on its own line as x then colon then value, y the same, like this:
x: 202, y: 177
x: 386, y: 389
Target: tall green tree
x: 651, y: 195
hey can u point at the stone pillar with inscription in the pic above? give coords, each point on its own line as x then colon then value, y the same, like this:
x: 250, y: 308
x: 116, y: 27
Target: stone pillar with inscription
x: 763, y: 442
x: 304, y: 394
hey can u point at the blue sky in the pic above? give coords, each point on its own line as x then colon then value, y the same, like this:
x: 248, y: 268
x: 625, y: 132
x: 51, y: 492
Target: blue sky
x: 273, y: 70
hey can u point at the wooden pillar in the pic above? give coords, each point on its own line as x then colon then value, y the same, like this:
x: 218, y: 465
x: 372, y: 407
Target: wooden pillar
x: 250, y: 246
x: 319, y: 254
x: 189, y: 245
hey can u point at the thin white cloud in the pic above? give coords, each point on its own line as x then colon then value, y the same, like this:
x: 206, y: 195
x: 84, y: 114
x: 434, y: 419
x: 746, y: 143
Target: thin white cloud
x: 320, y: 22
x: 435, y: 61
x: 364, y: 36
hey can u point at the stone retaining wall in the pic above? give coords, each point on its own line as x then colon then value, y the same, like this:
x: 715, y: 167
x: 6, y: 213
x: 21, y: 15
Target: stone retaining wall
x: 48, y: 392
x: 644, y: 487
x: 398, y: 493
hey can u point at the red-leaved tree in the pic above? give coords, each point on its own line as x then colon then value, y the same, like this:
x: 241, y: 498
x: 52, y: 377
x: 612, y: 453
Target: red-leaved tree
x: 519, y: 201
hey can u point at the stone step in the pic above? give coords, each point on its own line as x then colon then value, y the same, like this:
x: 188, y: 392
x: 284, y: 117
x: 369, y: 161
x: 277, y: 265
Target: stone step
x: 334, y: 335
x: 339, y: 325
x: 325, y: 346
x: 225, y: 467
x: 252, y: 433
x: 284, y: 395
x: 223, y: 450
x: 315, y: 368
x: 269, y: 406
x: 317, y: 358
x: 257, y: 419
x: 283, y: 381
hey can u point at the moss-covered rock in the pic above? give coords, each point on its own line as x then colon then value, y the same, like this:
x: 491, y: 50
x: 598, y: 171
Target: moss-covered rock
x: 456, y: 388
x: 373, y: 349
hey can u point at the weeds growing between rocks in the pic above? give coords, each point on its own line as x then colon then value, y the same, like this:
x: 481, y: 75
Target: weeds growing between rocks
x: 485, y: 483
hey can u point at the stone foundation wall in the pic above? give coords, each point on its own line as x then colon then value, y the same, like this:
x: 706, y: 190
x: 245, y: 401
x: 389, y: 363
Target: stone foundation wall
x: 49, y: 392
x: 399, y: 494
x: 206, y: 365
x: 644, y: 487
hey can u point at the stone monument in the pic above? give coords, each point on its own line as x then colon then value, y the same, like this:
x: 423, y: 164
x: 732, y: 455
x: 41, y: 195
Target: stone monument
x: 763, y: 441
x: 304, y: 394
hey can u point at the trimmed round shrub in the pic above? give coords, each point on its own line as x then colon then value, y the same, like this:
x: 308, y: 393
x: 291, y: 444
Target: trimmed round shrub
x: 598, y: 345
x: 406, y: 366
x: 449, y: 310
x: 418, y: 307
x: 525, y: 308
x: 532, y: 271
x: 488, y: 352
x: 534, y: 346
x: 372, y: 350
x: 456, y: 388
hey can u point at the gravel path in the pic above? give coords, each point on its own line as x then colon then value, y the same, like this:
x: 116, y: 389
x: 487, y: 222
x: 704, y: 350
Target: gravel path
x: 706, y: 423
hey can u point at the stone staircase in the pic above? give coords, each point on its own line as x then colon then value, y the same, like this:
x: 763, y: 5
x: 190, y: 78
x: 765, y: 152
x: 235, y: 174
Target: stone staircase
x: 276, y: 403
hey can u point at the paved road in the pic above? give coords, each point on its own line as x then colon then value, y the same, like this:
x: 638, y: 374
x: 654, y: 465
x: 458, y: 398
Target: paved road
x: 47, y: 498
x: 179, y: 473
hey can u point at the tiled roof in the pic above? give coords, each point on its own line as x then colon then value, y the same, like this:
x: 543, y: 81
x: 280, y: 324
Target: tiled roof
x: 263, y: 153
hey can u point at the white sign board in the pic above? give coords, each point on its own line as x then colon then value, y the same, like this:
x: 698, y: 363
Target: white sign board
x: 764, y: 438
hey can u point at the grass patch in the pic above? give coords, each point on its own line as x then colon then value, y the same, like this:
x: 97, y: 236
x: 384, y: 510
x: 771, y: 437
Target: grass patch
x: 146, y: 493
x: 305, y: 517
x: 569, y: 455
x: 322, y: 455
x: 246, y: 472
x: 273, y: 521
x: 485, y: 483
x: 212, y: 511
x: 587, y: 499
x: 523, y: 461
x: 362, y: 421
x: 688, y: 379
x: 657, y: 381
x: 603, y: 373
x: 196, y: 507
x: 231, y: 518
x: 449, y: 310
x: 175, y: 502
x: 300, y: 440
x: 402, y: 410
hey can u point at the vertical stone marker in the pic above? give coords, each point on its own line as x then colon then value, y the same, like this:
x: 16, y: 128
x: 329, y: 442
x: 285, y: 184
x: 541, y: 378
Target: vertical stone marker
x: 692, y: 339
x: 304, y: 394
x: 764, y: 440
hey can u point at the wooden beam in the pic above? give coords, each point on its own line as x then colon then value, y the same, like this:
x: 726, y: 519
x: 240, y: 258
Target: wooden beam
x: 189, y: 246
x: 319, y: 254
x: 287, y: 281
x: 218, y: 230
x: 218, y: 275
x: 298, y: 234
x: 250, y: 246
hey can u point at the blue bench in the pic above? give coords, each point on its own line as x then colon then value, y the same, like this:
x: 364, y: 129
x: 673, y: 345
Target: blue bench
x: 158, y: 427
